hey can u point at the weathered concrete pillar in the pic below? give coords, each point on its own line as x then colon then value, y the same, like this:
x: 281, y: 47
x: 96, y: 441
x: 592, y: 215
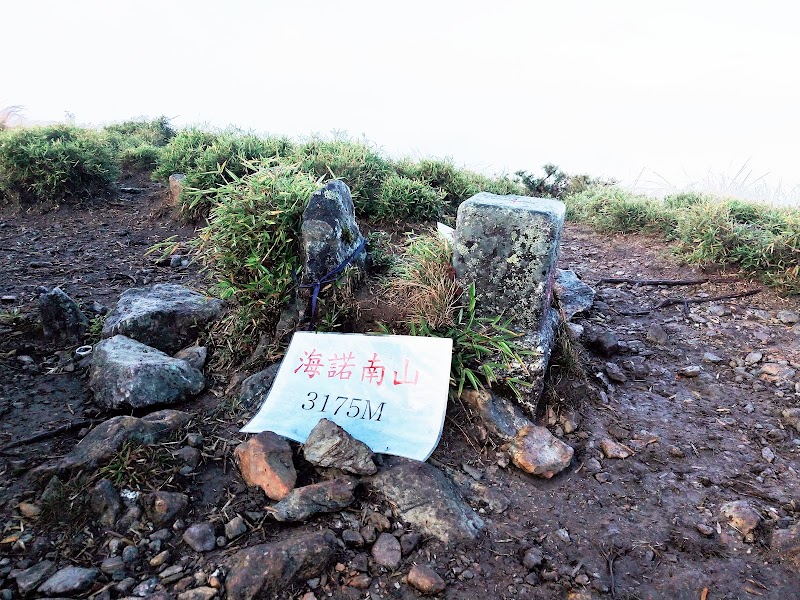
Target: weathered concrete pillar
x: 508, y: 247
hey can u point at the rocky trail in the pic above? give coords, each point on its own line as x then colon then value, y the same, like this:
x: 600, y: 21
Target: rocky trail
x: 683, y: 482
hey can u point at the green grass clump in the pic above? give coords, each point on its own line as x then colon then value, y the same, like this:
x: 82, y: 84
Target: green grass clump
x: 402, y: 198
x: 356, y: 163
x: 44, y: 165
x: 612, y: 209
x: 210, y: 160
x: 252, y: 244
x: 155, y: 132
x: 760, y: 239
x: 422, y: 285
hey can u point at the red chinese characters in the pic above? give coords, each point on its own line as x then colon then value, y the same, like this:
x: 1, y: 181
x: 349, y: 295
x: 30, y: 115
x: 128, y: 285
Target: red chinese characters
x: 341, y: 366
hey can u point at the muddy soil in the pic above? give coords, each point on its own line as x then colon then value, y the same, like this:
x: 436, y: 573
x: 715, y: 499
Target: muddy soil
x: 647, y: 526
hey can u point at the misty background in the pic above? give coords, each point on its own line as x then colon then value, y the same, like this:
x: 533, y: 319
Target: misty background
x: 662, y: 96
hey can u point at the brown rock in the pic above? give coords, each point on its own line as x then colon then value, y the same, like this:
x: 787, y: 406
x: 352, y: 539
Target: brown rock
x: 426, y: 580
x: 741, y: 515
x: 162, y: 508
x: 328, y: 445
x: 327, y: 496
x: 501, y: 417
x: 266, y: 570
x: 536, y: 451
x: 386, y: 551
x: 612, y: 449
x: 265, y: 460
x: 786, y: 543
x: 792, y: 417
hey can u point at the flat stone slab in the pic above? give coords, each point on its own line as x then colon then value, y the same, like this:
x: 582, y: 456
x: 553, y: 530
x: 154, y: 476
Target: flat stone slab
x: 574, y: 296
x: 127, y: 373
x: 165, y: 316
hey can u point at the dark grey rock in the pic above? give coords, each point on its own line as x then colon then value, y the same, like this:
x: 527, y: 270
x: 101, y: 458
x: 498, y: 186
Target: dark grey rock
x: 69, y: 580
x: 426, y: 498
x: 201, y: 537
x: 574, y: 296
x: 31, y: 577
x: 267, y: 570
x: 386, y: 551
x: 127, y: 373
x: 105, y: 502
x: 501, y: 417
x: 166, y: 316
x: 327, y: 496
x: 62, y: 319
x: 107, y: 438
x: 235, y: 527
x: 162, y: 508
x: 330, y: 446
x: 351, y: 537
x: 409, y: 541
x: 188, y: 456
x: 194, y: 355
x: 600, y: 340
x: 255, y: 387
x: 533, y: 558
x: 130, y: 553
x: 329, y: 234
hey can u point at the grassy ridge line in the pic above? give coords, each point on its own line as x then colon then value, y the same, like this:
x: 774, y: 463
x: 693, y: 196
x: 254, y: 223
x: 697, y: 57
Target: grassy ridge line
x: 762, y: 240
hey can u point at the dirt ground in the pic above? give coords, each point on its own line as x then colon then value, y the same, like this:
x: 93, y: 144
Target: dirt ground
x: 615, y: 528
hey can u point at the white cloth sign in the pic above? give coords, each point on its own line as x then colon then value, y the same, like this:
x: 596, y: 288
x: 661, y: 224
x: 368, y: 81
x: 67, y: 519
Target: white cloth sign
x: 389, y: 391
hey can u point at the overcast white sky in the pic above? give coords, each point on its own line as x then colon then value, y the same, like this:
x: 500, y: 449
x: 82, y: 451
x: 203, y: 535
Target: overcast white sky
x: 617, y: 88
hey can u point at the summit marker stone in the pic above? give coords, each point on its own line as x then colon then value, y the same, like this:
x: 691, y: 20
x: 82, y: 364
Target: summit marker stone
x: 507, y: 246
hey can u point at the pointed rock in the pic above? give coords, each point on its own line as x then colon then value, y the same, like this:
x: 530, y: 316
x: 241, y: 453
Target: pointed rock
x: 265, y: 460
x: 330, y: 446
x: 574, y: 296
x: 62, y: 319
x: 327, y: 496
x: 536, y: 451
x: 501, y: 417
x: 162, y: 508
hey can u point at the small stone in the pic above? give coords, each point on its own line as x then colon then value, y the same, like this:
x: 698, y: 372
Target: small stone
x: 235, y: 527
x: 129, y: 553
x: 369, y: 533
x: 788, y: 317
x: 602, y: 477
x: 426, y: 580
x: 69, y: 580
x: 125, y: 586
x: 200, y: 537
x: 409, y: 541
x: 753, y: 358
x: 62, y: 320
x: 327, y: 496
x: 615, y: 373
x: 265, y: 460
x: 602, y: 340
x: 386, y: 551
x: 536, y: 451
x: 786, y: 543
x: 188, y: 456
x: 195, y: 440
x: 380, y: 521
x: 352, y: 538
x: 657, y: 335
x: 767, y: 454
x: 28, y: 579
x: 113, y: 565
x: 146, y: 587
x: 563, y: 535
x: 29, y: 510
x: 533, y: 558
x: 171, y: 571
x: 198, y: 593
x: 612, y: 449
x: 711, y: 358
x: 330, y: 446
x: 194, y: 355
x: 741, y: 515
x: 159, y: 559
x: 105, y: 502
x: 360, y: 582
x: 706, y: 530
x: 690, y: 371
x: 792, y: 417
x: 717, y: 310
x: 582, y: 579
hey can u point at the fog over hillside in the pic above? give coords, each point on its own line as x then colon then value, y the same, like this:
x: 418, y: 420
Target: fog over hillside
x: 675, y: 95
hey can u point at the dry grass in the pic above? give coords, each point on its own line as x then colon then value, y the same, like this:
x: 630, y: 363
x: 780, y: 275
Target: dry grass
x: 422, y: 283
